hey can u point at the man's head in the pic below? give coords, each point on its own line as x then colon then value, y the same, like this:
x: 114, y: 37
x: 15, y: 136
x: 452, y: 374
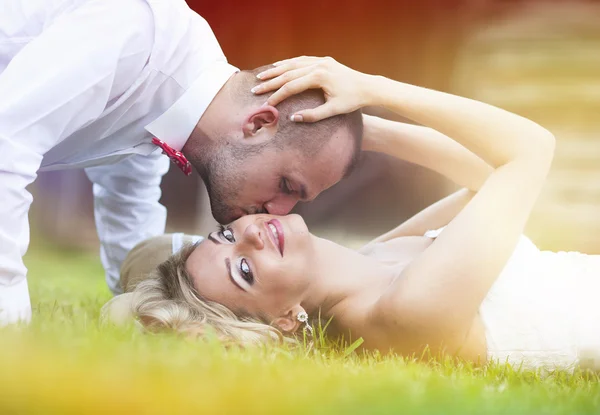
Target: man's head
x: 253, y: 159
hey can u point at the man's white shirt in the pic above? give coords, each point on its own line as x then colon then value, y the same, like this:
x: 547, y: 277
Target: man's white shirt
x: 88, y: 84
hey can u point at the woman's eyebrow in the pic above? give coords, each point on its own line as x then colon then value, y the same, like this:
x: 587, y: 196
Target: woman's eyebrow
x: 213, y: 238
x: 228, y: 267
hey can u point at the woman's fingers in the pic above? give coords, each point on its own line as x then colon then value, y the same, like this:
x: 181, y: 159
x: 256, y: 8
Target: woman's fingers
x: 274, y: 72
x: 288, y: 65
x: 341, y: 85
x: 298, y: 60
x: 316, y: 114
x: 285, y: 66
x: 293, y: 76
x: 292, y: 88
x: 284, y: 61
x: 280, y: 80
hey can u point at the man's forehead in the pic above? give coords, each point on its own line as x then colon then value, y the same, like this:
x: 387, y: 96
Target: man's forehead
x: 328, y: 166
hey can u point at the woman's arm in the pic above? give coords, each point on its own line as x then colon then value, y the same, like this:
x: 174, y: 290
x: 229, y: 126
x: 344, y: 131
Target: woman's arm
x: 428, y: 148
x: 432, y: 217
x: 425, y: 147
x: 437, y: 297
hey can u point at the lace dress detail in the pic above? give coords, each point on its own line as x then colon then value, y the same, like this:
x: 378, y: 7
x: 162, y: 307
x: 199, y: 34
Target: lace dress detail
x: 543, y: 310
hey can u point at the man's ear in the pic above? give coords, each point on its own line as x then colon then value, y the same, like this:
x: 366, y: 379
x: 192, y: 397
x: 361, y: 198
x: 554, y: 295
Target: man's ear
x: 289, y: 323
x: 260, y: 120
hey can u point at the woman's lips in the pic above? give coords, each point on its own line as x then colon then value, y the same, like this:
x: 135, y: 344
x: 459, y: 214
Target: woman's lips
x: 276, y: 231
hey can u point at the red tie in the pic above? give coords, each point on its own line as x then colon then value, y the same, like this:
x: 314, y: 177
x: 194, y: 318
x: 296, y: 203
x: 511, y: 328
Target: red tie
x: 176, y: 157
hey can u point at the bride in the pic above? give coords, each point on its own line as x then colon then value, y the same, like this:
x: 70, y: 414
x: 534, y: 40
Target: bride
x: 457, y: 279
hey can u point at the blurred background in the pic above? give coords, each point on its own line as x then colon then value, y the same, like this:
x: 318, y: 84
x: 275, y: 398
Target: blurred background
x: 537, y: 58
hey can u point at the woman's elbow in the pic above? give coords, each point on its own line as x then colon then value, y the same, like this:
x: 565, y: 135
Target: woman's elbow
x: 546, y: 144
x: 538, y: 150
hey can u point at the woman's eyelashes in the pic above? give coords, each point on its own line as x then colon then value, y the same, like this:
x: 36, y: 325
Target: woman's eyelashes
x: 227, y: 233
x: 245, y: 271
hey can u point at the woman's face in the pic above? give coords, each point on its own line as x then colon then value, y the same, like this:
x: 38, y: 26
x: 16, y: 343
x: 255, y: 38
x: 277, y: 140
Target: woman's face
x: 259, y: 264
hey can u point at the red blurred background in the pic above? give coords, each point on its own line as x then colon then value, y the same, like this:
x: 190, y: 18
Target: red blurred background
x: 511, y: 53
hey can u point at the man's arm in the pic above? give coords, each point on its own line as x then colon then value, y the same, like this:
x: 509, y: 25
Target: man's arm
x: 126, y: 208
x: 62, y: 80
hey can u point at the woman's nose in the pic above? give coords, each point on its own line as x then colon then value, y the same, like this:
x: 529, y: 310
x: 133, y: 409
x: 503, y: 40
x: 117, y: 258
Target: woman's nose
x: 253, y: 237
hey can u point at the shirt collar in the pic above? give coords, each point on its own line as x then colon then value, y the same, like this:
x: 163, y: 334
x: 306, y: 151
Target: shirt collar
x: 176, y: 124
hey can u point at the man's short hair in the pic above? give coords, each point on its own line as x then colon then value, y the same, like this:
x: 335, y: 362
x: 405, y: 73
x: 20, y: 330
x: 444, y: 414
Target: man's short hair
x: 309, y: 138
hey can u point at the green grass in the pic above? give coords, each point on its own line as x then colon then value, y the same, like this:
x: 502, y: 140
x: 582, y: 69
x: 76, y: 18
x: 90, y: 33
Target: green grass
x: 66, y: 363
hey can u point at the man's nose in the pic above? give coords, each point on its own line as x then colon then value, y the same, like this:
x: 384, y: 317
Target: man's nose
x: 252, y: 237
x: 281, y: 205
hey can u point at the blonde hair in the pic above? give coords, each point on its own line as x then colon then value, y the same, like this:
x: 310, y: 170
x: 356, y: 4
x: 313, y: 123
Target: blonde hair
x: 160, y: 295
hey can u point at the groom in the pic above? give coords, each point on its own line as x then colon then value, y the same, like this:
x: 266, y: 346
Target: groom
x: 112, y: 86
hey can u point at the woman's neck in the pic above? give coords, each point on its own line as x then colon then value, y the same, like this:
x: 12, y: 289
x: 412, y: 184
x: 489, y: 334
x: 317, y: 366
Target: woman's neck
x: 342, y: 274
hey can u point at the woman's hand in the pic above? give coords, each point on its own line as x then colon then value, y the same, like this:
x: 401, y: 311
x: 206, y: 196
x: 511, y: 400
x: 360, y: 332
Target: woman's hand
x: 345, y: 89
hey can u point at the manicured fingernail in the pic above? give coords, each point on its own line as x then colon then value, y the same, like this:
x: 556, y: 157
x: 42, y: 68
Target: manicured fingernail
x: 296, y: 118
x: 255, y: 89
x: 265, y: 104
x: 260, y: 75
x: 277, y: 63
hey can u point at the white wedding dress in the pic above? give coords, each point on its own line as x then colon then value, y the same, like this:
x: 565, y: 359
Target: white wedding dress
x: 543, y: 311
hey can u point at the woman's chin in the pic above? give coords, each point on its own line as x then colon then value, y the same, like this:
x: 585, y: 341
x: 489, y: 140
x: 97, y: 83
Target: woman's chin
x: 296, y: 223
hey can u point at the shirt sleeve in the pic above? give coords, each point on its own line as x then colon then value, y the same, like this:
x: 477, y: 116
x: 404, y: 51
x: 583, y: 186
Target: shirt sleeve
x: 127, y: 208
x: 60, y: 81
